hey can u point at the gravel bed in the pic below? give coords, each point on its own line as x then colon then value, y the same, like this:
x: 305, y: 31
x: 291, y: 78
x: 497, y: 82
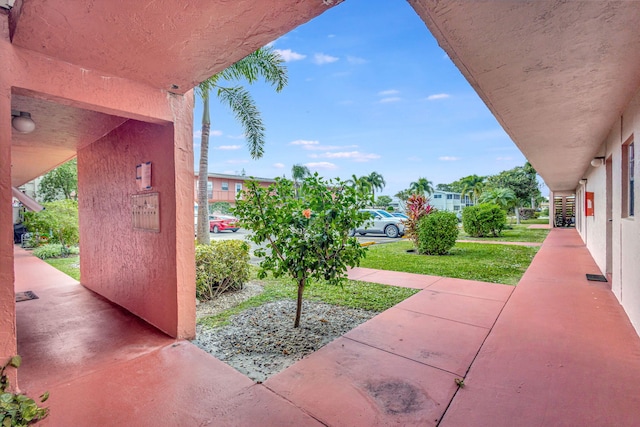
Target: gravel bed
x: 262, y: 341
x: 228, y: 300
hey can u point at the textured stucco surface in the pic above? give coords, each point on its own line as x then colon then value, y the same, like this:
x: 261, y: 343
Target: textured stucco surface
x: 136, y: 269
x: 8, y: 345
x: 555, y: 74
x: 159, y: 42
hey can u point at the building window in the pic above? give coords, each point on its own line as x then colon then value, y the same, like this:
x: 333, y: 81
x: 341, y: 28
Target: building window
x: 238, y: 187
x: 449, y: 196
x: 225, y: 186
x: 456, y: 208
x: 437, y: 196
x: 209, y: 190
x: 456, y: 196
x: 628, y: 179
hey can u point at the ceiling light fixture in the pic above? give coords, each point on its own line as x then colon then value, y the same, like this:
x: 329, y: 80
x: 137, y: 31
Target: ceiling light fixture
x: 583, y: 181
x: 22, y: 122
x: 597, y: 161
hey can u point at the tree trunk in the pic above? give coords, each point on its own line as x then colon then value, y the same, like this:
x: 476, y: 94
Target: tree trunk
x: 517, y: 215
x: 203, y: 175
x: 299, y: 305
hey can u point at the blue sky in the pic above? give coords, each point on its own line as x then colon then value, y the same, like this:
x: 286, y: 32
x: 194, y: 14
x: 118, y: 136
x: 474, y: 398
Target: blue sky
x: 369, y: 90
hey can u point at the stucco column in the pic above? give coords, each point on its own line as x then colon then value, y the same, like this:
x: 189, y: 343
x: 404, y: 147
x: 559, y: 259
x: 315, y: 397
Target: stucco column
x: 8, y: 344
x: 182, y: 107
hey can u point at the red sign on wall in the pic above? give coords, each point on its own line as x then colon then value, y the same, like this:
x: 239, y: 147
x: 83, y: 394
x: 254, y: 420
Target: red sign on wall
x: 588, y: 203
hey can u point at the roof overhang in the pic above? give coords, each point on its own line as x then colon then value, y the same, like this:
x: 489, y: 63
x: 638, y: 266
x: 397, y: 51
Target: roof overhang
x: 557, y: 75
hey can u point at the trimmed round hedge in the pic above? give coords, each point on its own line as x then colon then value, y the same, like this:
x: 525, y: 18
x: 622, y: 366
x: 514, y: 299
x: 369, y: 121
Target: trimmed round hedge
x: 437, y: 233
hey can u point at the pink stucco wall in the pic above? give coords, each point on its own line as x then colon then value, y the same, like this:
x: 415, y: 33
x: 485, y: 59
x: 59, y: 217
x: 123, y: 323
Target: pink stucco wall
x: 8, y: 344
x: 139, y: 270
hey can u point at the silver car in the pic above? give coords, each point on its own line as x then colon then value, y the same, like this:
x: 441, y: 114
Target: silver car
x: 379, y: 223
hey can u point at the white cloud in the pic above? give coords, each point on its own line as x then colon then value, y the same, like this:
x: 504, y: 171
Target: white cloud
x: 278, y: 165
x: 388, y: 92
x: 448, y: 158
x: 236, y: 161
x: 438, y: 96
x: 390, y: 99
x: 331, y: 36
x: 228, y: 147
x: 197, y: 134
x: 356, y: 156
x: 504, y: 158
x: 328, y: 147
x: 414, y: 159
x: 288, y: 55
x: 356, y: 60
x: 304, y: 142
x: 321, y: 165
x: 321, y: 59
x: 241, y: 136
x: 215, y: 133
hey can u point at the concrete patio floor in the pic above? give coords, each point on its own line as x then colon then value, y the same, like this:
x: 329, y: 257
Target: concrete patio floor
x: 556, y: 350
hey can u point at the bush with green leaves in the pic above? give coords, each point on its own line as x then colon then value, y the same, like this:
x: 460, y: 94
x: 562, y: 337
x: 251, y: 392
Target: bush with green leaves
x: 306, y: 238
x: 18, y: 410
x: 221, y: 266
x: 223, y: 208
x: 485, y: 219
x: 54, y: 250
x: 437, y: 233
x: 58, y: 220
x: 417, y: 207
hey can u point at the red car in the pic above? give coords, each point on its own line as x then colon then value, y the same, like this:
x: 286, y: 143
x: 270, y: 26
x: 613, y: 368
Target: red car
x: 218, y: 223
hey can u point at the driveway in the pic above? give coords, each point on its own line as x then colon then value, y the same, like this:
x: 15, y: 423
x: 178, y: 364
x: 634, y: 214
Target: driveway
x: 243, y: 234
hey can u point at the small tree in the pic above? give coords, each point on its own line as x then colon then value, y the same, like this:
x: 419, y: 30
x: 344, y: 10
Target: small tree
x: 220, y: 207
x: 60, y: 183
x: 59, y: 220
x: 306, y: 238
x: 383, y: 202
x: 417, y: 207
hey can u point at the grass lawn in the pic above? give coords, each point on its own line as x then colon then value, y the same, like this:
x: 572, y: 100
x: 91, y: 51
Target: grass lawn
x: 354, y: 294
x: 517, y: 233
x: 474, y: 261
x: 69, y: 265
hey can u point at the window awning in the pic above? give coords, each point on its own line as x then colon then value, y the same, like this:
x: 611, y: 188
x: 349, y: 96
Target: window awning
x: 27, y: 201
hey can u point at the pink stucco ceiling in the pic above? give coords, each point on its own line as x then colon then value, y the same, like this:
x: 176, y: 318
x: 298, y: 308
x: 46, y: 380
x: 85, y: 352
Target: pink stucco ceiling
x: 159, y: 42
x: 556, y: 74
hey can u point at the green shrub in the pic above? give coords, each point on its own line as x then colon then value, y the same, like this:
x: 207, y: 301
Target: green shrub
x: 58, y: 220
x: 483, y: 220
x: 16, y: 409
x: 221, y: 266
x: 55, y: 250
x: 545, y: 212
x: 437, y: 233
x: 223, y: 208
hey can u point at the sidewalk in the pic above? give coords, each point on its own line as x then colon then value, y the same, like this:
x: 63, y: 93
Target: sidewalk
x: 556, y: 350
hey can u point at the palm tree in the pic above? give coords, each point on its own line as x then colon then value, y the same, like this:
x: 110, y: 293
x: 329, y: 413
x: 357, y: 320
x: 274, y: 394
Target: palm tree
x: 264, y: 63
x: 422, y: 186
x: 375, y: 181
x: 298, y: 173
x: 360, y: 183
x: 472, y: 186
x: 503, y: 197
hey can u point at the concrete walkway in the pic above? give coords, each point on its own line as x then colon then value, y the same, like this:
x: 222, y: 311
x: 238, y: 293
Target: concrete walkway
x: 557, y: 350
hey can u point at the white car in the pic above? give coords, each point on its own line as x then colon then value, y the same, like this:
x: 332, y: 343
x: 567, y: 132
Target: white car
x: 380, y: 223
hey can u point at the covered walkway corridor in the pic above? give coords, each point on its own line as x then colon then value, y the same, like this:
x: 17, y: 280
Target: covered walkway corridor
x: 555, y: 350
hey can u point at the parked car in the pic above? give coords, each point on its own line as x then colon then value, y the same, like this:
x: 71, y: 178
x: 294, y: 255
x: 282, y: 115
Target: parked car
x: 400, y: 215
x: 389, y: 225
x: 218, y: 223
